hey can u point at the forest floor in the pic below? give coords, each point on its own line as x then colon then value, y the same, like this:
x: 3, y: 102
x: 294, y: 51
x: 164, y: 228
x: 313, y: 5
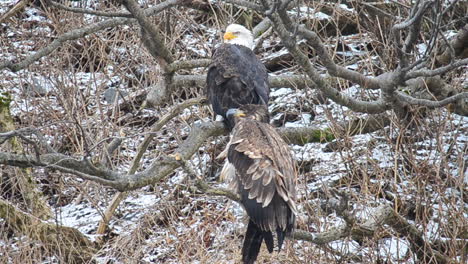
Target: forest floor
x: 170, y: 222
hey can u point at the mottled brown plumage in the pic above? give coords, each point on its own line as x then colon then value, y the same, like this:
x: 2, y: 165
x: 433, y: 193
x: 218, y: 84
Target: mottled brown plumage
x: 262, y: 167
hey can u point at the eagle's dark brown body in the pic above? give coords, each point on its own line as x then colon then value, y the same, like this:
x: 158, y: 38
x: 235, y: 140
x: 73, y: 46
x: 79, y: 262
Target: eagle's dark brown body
x: 236, y: 77
x: 264, y: 171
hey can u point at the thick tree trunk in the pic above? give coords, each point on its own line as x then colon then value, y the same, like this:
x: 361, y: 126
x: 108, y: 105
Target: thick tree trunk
x: 16, y: 182
x: 68, y: 243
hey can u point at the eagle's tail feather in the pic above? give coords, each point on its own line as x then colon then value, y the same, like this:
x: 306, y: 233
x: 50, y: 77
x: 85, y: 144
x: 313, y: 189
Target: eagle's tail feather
x: 253, y: 241
x: 281, y: 235
x: 268, y: 237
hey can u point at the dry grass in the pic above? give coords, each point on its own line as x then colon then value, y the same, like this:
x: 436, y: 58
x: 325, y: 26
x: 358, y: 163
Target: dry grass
x: 423, y: 177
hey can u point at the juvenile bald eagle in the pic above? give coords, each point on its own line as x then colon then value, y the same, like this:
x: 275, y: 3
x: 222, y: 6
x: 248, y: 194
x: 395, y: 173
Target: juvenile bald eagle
x: 236, y: 76
x: 261, y: 166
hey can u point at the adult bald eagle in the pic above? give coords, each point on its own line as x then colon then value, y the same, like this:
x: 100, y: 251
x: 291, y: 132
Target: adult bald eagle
x: 261, y: 166
x: 236, y: 76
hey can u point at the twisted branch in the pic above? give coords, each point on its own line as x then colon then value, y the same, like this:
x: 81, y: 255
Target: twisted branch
x: 81, y: 32
x: 88, y: 11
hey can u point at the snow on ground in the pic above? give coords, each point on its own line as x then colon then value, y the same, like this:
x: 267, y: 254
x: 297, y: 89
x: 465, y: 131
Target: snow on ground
x: 86, y: 217
x: 177, y: 215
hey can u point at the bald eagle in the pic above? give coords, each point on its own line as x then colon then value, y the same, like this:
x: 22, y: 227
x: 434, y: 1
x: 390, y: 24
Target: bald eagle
x: 236, y: 76
x: 263, y: 171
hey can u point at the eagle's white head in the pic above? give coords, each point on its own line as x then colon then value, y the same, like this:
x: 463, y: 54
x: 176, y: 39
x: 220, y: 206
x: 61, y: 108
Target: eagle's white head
x: 237, y: 34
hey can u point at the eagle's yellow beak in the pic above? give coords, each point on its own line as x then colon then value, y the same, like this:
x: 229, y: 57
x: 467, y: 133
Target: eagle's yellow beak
x: 239, y: 114
x: 229, y: 36
x: 235, y: 112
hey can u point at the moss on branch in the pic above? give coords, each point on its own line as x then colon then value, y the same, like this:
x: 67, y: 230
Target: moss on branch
x: 304, y: 135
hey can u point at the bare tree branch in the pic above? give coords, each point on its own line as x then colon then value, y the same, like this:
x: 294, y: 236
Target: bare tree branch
x: 459, y: 44
x: 64, y: 240
x: 304, y: 135
x: 77, y: 172
x: 291, y: 81
x: 118, y: 197
x: 261, y: 27
x: 175, y: 111
x: 81, y: 32
x: 247, y: 4
x: 111, y: 147
x: 336, y: 70
x: 89, y: 11
x: 431, y: 104
x: 414, y: 24
x: 13, y: 10
x: 424, y: 250
x: 188, y: 64
x: 122, y: 182
x: 261, y: 39
x: 159, y: 169
x: 437, y: 71
x: 204, y: 187
x: 158, y: 48
x: 416, y: 18
x: 158, y: 93
x: 362, y: 125
x: 383, y: 215
x: 24, y: 132
x: 301, y: 59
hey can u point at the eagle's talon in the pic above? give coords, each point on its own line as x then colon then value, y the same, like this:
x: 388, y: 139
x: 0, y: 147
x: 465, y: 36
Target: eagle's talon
x: 177, y: 156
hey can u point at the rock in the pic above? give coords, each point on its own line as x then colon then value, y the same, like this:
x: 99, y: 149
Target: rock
x: 37, y: 88
x: 157, y: 94
x: 110, y: 95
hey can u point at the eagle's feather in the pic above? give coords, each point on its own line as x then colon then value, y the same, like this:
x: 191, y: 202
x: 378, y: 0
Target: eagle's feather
x: 236, y: 77
x: 262, y: 167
